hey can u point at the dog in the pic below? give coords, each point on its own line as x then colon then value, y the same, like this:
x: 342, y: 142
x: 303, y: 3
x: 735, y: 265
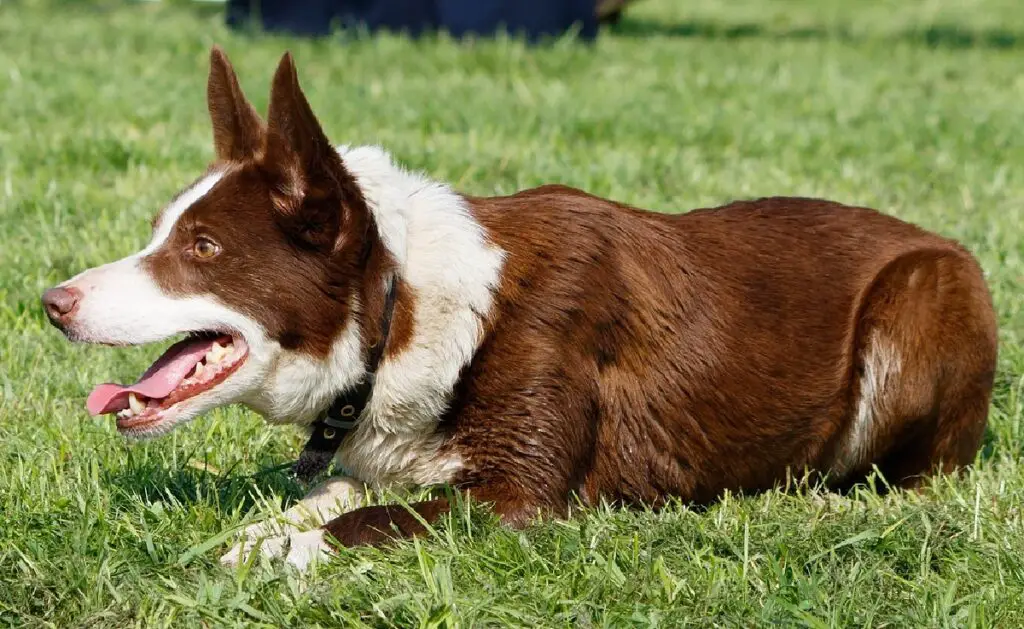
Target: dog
x: 530, y: 350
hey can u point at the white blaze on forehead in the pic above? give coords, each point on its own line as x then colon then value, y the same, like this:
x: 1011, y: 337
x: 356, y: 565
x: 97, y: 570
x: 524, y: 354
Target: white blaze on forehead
x: 185, y: 200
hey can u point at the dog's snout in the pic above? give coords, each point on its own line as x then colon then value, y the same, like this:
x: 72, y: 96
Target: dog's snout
x: 60, y: 304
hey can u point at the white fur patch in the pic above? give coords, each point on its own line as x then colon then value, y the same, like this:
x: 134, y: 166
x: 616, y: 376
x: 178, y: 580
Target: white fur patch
x: 300, y: 386
x: 122, y: 304
x: 185, y: 200
x: 881, y: 366
x: 444, y: 255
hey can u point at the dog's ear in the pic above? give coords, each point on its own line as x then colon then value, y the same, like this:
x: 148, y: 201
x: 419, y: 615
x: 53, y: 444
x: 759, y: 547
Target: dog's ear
x: 313, y: 191
x: 237, y: 129
x: 295, y: 134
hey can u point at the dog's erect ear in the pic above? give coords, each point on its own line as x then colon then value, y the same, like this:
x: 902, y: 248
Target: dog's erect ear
x: 237, y: 129
x: 295, y: 132
x: 313, y: 188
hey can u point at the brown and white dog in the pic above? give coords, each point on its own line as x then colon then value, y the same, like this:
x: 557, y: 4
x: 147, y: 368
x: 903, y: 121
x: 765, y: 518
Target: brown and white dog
x: 543, y: 344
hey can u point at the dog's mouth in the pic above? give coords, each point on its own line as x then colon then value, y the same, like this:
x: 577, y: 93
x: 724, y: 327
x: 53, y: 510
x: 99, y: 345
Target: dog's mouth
x: 187, y: 369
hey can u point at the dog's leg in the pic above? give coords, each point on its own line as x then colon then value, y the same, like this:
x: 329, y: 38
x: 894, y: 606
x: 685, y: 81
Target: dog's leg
x: 376, y: 525
x: 323, y: 503
x: 529, y: 445
x: 371, y: 526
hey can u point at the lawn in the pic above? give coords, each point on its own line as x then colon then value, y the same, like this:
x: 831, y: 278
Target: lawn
x: 916, y: 108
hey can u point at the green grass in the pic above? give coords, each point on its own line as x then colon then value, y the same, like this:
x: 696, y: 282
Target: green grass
x: 911, y: 107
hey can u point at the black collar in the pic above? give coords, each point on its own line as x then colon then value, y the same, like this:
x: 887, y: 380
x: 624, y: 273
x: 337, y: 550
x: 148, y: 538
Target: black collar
x: 341, y: 417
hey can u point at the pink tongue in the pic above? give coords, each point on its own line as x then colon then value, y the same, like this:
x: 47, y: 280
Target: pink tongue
x: 159, y: 380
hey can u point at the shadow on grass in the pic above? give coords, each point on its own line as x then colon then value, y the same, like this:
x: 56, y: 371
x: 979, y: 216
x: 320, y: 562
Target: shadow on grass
x: 936, y: 36
x: 151, y: 481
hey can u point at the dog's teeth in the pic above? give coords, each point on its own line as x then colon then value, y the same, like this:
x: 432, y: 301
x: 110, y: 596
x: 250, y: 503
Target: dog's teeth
x: 199, y: 370
x: 221, y: 352
x: 135, y: 404
x: 216, y: 353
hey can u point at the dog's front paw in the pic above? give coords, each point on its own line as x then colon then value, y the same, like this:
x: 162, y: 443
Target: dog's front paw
x: 299, y: 549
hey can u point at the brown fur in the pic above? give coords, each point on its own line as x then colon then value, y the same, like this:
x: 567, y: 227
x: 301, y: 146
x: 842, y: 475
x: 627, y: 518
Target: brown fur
x: 686, y: 355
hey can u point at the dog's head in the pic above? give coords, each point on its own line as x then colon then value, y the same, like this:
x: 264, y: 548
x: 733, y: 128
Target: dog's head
x: 262, y: 264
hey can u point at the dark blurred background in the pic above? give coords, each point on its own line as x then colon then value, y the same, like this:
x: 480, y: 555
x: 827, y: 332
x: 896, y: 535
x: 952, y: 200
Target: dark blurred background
x: 532, y: 19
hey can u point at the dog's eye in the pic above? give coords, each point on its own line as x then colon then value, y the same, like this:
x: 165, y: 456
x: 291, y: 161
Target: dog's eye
x: 205, y: 248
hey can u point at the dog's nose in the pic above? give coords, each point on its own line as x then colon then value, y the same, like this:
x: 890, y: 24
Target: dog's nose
x: 60, y: 304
